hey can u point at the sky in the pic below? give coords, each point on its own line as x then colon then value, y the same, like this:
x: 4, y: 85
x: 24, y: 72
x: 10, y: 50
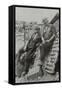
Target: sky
x: 34, y: 14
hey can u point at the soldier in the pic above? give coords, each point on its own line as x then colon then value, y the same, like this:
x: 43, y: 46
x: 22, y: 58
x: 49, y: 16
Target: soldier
x: 31, y: 47
x: 49, y: 34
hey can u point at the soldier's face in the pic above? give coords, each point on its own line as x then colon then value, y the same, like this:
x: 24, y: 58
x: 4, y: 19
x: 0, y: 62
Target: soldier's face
x: 46, y: 24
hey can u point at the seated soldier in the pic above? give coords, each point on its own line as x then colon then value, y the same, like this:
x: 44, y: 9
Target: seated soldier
x: 26, y: 56
x: 31, y: 47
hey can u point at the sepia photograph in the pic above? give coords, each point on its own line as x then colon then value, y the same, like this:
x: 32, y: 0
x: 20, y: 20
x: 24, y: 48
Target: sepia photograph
x: 37, y: 53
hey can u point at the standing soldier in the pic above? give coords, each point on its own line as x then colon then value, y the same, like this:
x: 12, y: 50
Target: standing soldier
x: 49, y: 34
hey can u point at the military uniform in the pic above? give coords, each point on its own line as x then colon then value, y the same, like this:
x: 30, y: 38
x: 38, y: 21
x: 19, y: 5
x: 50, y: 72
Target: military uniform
x: 49, y: 31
